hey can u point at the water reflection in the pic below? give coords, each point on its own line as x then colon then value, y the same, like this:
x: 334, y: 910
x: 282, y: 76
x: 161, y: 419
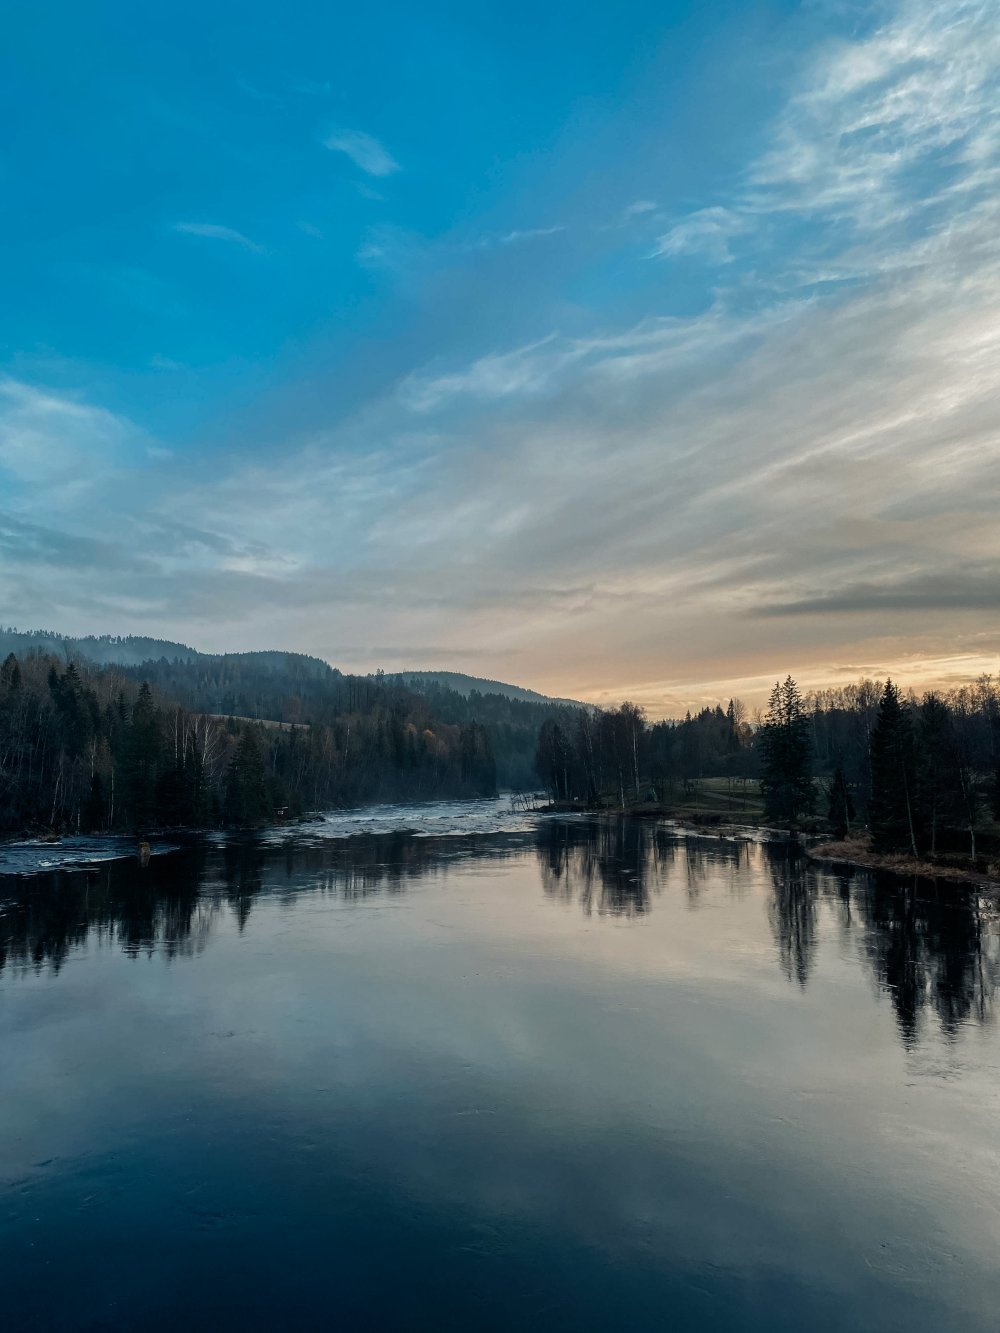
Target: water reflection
x: 608, y: 866
x: 792, y: 909
x: 927, y: 946
x: 172, y: 904
x: 45, y: 918
x: 926, y: 942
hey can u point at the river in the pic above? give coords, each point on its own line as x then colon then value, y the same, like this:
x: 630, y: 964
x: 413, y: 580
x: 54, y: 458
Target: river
x: 451, y: 1068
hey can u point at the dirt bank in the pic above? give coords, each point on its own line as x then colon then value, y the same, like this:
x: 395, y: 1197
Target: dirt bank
x: 857, y: 852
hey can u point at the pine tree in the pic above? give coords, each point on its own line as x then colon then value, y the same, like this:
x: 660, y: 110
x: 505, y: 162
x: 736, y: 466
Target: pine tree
x: 247, y: 800
x: 142, y: 748
x: 785, y: 743
x: 892, y: 817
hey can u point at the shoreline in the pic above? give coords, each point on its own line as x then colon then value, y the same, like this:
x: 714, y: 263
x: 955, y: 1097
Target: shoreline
x: 857, y: 856
x: 820, y: 848
x: 852, y: 853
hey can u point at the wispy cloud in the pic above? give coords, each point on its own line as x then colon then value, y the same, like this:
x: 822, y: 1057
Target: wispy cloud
x: 214, y: 232
x: 790, y: 481
x: 706, y: 232
x: 392, y: 250
x: 517, y: 236
x: 529, y: 234
x: 55, y: 441
x: 884, y: 138
x: 888, y: 127
x: 525, y: 370
x: 364, y: 150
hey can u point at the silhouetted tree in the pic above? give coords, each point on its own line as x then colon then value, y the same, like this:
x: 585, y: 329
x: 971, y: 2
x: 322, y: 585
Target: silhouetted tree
x: 247, y: 799
x: 140, y: 766
x: 892, y: 817
x: 785, y: 746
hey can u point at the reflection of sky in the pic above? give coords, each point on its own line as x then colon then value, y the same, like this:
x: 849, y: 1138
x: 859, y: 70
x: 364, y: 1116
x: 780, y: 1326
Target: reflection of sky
x: 633, y: 1107
x: 637, y: 348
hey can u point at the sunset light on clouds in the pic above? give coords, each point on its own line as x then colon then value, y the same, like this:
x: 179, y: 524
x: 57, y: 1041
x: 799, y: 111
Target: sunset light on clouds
x: 638, y: 351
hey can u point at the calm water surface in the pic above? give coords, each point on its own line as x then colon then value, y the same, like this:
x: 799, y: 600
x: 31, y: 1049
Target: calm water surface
x: 558, y: 1075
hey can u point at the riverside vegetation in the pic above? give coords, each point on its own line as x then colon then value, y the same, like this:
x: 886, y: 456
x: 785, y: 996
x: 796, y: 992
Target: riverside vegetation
x: 887, y: 775
x: 92, y: 748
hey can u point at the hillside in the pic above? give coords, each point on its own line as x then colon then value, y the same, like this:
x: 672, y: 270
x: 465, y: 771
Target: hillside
x: 466, y: 685
x: 240, y: 740
x: 101, y: 649
x: 294, y: 688
x: 134, y: 650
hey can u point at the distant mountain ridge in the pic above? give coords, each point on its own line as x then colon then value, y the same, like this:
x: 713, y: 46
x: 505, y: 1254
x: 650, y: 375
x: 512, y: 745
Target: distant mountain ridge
x: 133, y: 650
x: 465, y: 685
x: 297, y: 690
x: 101, y: 649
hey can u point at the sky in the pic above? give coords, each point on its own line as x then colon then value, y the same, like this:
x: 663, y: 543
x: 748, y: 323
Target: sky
x: 615, y: 349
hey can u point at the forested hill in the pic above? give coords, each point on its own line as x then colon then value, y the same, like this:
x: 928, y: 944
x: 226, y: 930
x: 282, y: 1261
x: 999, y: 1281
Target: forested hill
x: 289, y: 688
x: 102, y: 649
x: 195, y: 740
x: 295, y: 689
x: 94, y: 748
x: 135, y: 650
x: 132, y: 650
x: 467, y: 685
x: 512, y: 725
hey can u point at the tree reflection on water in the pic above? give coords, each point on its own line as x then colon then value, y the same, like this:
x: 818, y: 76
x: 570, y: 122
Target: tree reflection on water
x: 926, y: 942
x: 928, y: 945
x: 609, y: 866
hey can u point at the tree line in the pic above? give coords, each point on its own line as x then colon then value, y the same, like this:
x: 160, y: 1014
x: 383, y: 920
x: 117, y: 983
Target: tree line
x: 296, y: 688
x: 290, y: 687
x: 91, y: 748
x: 921, y: 774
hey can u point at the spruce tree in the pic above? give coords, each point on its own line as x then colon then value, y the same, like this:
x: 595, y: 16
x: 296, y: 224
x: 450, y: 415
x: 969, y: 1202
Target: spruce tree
x: 893, y: 817
x: 785, y: 743
x: 247, y: 800
x: 142, y: 748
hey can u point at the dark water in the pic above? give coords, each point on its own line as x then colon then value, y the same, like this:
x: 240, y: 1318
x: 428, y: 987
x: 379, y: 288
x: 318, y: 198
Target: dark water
x: 569, y: 1076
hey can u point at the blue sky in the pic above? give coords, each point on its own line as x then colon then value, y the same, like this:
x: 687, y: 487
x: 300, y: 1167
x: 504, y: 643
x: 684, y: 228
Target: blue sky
x: 616, y: 349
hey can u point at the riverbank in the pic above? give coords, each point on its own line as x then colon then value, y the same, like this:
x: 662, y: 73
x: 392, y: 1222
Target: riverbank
x: 691, y: 813
x: 853, y: 853
x: 857, y: 854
